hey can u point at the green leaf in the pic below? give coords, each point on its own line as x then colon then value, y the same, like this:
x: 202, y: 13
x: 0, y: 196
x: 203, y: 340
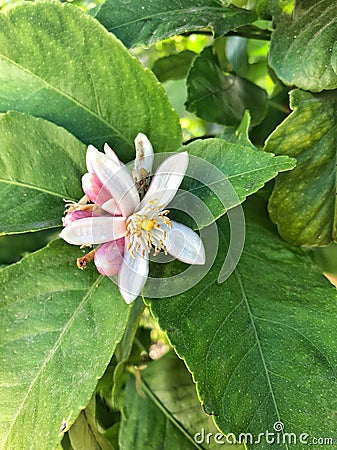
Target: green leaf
x: 303, y: 203
x: 236, y: 52
x: 59, y: 329
x: 173, y: 67
x: 84, y: 433
x: 164, y: 411
x: 143, y: 23
x: 303, y: 51
x: 239, y: 135
x: 65, y: 443
x: 218, y: 163
x: 86, y: 81
x: 30, y: 210
x: 262, y: 345
x: 123, y: 350
x: 40, y: 165
x: 221, y: 98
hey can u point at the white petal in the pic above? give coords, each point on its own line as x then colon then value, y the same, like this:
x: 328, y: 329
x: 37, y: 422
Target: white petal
x: 111, y: 207
x: 184, y: 244
x: 111, y: 154
x: 91, y: 152
x: 94, y: 230
x: 132, y: 276
x: 166, y: 181
x: 118, y: 181
x: 144, y: 157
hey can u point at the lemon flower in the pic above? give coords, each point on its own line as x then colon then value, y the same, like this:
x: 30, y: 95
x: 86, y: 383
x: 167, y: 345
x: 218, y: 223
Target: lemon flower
x: 125, y: 216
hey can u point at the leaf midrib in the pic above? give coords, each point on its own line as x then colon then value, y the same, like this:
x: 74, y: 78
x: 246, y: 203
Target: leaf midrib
x: 252, y: 321
x: 36, y: 188
x: 68, y: 97
x: 251, y: 317
x: 52, y: 352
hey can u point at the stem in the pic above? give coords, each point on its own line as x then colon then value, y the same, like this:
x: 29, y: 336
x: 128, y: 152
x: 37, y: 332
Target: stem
x: 139, y: 345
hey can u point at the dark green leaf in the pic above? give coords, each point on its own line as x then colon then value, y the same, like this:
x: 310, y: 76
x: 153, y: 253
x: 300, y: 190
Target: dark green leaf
x: 85, y: 81
x: 138, y: 22
x: 59, y: 329
x: 222, y: 98
x: 164, y: 411
x: 325, y: 258
x: 303, y: 51
x: 261, y: 346
x: 277, y: 110
x: 13, y: 247
x: 239, y: 135
x: 274, y: 8
x: 173, y: 67
x: 40, y: 165
x: 303, y: 203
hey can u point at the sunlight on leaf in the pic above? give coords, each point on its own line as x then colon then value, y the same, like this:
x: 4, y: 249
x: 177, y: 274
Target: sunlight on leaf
x: 144, y: 22
x: 87, y: 81
x: 303, y: 203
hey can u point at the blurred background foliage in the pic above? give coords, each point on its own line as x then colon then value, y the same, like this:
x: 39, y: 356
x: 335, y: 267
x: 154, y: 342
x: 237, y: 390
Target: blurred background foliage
x: 171, y: 60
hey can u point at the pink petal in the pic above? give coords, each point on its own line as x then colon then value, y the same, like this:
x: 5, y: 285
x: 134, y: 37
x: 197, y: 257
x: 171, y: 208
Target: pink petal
x: 109, y: 257
x: 76, y: 215
x: 94, y: 190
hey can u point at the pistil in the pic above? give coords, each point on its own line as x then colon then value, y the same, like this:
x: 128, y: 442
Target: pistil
x: 145, y: 232
x: 83, y: 261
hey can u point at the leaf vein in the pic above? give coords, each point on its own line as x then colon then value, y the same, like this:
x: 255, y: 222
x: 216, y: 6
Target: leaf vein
x: 51, y: 354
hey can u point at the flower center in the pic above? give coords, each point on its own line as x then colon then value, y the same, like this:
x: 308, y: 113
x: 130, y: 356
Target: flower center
x: 147, y: 231
x: 148, y: 224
